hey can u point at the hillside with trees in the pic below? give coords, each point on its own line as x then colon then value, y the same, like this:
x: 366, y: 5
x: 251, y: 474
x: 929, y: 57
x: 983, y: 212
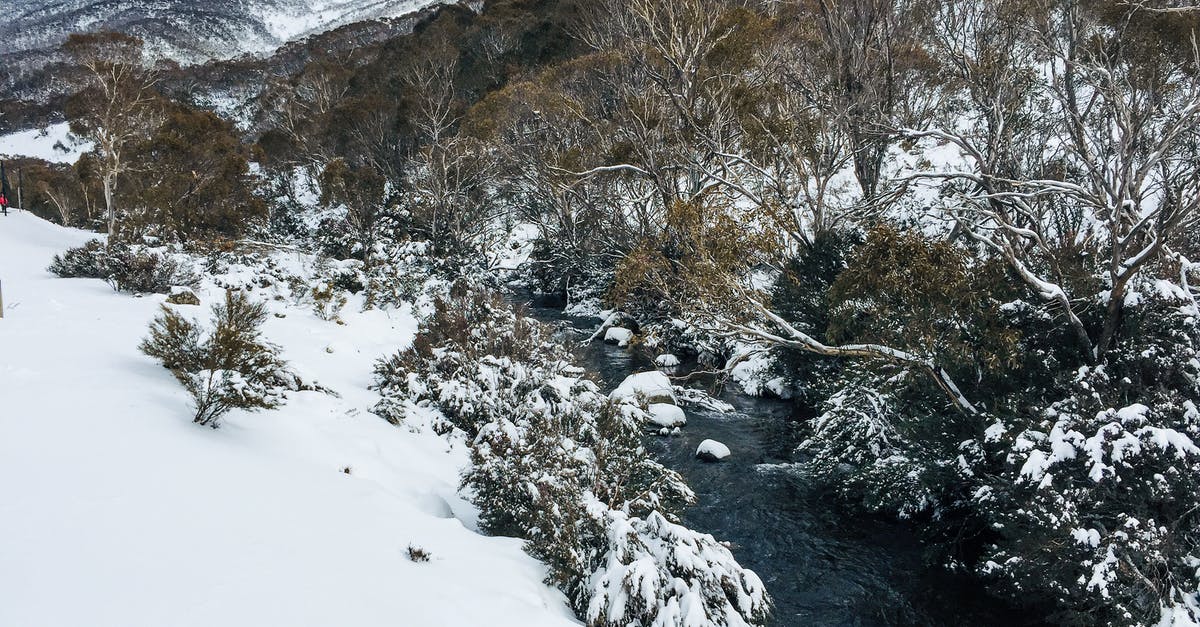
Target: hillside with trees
x: 954, y: 236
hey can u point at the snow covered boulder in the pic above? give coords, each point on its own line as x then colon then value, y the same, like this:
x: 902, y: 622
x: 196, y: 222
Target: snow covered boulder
x: 666, y: 415
x: 655, y: 387
x: 666, y: 361
x: 183, y: 296
x: 712, y: 451
x: 618, y: 335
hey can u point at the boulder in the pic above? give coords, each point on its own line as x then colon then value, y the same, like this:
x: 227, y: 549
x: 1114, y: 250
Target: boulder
x: 654, y: 387
x: 666, y: 361
x: 183, y: 296
x: 712, y: 451
x: 618, y: 335
x: 666, y: 415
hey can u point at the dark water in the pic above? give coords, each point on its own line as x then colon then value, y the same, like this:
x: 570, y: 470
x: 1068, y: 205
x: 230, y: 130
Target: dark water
x: 821, y: 564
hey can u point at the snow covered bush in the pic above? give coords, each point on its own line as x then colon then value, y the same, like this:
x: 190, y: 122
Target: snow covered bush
x: 328, y: 301
x: 1095, y: 494
x: 656, y: 572
x: 230, y: 368
x: 90, y: 261
x: 136, y: 269
x: 557, y: 463
x: 863, y: 446
x: 1070, y: 487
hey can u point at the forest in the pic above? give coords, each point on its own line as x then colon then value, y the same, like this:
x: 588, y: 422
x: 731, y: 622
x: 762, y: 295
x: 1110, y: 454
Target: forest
x: 955, y: 235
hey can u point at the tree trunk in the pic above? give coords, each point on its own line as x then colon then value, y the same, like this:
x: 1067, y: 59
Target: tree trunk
x: 108, y: 205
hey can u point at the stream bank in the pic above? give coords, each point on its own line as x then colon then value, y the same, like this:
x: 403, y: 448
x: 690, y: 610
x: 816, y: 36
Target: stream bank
x: 822, y: 564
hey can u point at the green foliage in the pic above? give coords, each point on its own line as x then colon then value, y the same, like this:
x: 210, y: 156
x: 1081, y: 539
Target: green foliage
x: 194, y: 184
x: 801, y: 295
x: 1079, y: 479
x: 690, y: 262
x: 1093, y: 495
x: 231, y: 367
x: 904, y: 290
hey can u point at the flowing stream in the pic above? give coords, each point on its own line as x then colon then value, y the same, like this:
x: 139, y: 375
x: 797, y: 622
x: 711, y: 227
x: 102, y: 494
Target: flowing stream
x: 821, y: 564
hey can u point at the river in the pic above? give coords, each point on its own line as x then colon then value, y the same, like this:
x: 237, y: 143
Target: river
x: 822, y: 564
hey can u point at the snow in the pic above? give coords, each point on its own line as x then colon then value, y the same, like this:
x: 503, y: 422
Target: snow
x: 712, y: 451
x: 750, y: 372
x: 288, y: 21
x: 666, y: 415
x: 619, y: 336
x: 54, y: 143
x: 666, y: 361
x: 653, y: 386
x: 117, y: 510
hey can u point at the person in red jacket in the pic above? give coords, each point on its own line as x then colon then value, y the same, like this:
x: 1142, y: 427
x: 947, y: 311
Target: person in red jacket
x: 3, y: 203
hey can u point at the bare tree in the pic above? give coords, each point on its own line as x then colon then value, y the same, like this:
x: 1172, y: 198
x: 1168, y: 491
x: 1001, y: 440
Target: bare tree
x: 117, y: 105
x: 1111, y: 170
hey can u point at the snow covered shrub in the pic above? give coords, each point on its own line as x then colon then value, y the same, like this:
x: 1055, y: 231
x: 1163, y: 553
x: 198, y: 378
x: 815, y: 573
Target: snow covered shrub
x: 1095, y: 494
x: 557, y: 463
x: 397, y: 272
x: 862, y: 445
x: 231, y: 368
x: 882, y: 435
x: 139, y: 270
x: 89, y: 261
x: 130, y: 268
x: 328, y: 301
x: 417, y: 554
x: 656, y: 572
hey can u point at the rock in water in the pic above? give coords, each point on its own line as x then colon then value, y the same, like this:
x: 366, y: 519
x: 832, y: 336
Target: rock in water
x: 618, y: 335
x: 666, y: 415
x: 712, y: 451
x: 666, y: 361
x: 655, y: 387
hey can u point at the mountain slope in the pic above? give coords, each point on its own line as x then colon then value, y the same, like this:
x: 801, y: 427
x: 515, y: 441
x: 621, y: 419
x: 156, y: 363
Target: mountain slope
x: 189, y: 31
x: 117, y: 510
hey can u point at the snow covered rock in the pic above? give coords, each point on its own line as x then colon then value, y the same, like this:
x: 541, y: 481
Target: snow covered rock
x: 712, y: 451
x: 666, y: 415
x: 666, y: 361
x: 655, y: 387
x: 183, y: 296
x: 618, y: 335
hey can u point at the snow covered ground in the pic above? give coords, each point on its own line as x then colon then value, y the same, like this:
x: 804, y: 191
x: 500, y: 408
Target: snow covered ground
x: 54, y: 143
x: 296, y: 19
x: 116, y: 510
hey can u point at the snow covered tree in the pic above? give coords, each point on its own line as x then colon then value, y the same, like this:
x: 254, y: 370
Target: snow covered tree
x: 1093, y: 497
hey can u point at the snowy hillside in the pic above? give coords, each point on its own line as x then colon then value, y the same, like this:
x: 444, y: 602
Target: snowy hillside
x: 54, y: 143
x: 117, y: 510
x: 186, y: 30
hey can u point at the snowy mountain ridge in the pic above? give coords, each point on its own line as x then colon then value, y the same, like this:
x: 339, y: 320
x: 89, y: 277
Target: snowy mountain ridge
x: 189, y: 31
